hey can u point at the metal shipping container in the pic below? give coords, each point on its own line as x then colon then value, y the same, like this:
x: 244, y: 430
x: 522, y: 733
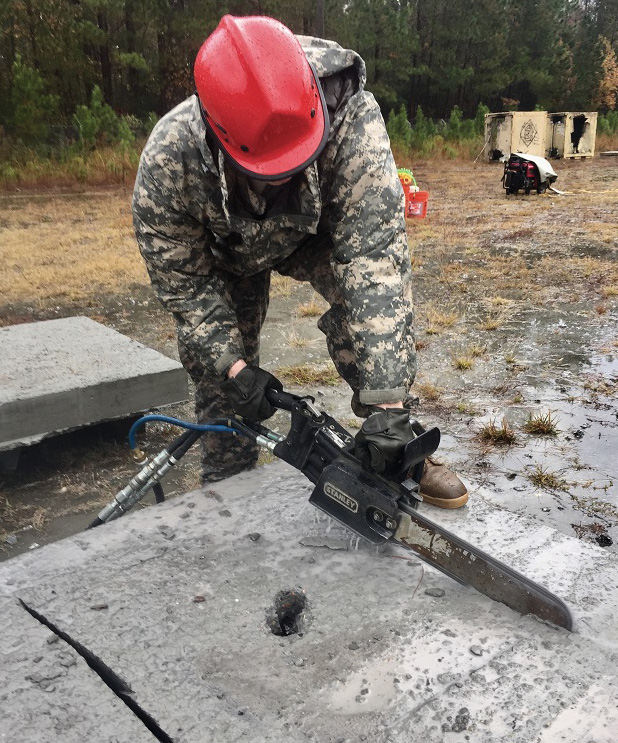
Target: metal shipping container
x: 571, y: 134
x: 515, y: 131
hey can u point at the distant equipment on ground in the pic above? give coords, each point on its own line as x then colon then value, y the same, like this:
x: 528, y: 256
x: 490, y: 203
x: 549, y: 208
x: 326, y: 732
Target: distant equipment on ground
x: 527, y: 173
x: 416, y: 200
x: 548, y: 135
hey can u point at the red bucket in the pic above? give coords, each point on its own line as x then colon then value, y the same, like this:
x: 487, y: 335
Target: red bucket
x: 416, y: 204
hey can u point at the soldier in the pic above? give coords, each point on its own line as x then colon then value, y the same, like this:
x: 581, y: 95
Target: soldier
x: 281, y: 162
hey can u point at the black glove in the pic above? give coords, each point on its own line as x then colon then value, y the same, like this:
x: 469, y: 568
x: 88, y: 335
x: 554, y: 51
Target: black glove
x: 247, y: 392
x: 382, y: 439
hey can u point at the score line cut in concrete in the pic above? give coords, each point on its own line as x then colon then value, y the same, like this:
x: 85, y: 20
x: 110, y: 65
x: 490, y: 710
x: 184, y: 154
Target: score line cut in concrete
x: 58, y: 375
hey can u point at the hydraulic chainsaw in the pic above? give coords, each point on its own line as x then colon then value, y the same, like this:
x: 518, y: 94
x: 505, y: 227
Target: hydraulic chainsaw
x: 371, y: 506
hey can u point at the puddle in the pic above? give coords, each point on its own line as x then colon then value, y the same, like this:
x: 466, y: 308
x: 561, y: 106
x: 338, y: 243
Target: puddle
x: 580, y: 460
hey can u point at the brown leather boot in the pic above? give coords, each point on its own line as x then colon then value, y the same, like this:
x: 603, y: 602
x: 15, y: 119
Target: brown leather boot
x: 441, y: 487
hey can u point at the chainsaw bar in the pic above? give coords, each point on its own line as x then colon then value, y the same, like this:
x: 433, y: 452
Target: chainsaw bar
x: 471, y: 566
x: 379, y: 510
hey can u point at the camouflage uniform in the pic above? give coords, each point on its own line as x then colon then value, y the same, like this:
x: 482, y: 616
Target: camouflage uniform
x: 210, y: 238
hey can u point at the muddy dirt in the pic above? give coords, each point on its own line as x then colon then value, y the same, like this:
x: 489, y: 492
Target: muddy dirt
x: 517, y: 310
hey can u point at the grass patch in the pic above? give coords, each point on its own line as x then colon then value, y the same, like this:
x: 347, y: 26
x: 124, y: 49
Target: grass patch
x: 311, y: 309
x: 477, y: 352
x: 595, y: 507
x: 466, y: 408
x: 541, y: 477
x: 601, y: 386
x: 592, y: 531
x: 294, y: 340
x: 281, y: 286
x: 429, y: 391
x: 491, y: 322
x: 66, y: 248
x: 463, y: 362
x: 71, y: 167
x: 309, y: 374
x: 543, y: 424
x: 439, y: 320
x: 500, y: 434
x: 265, y: 457
x: 610, y: 291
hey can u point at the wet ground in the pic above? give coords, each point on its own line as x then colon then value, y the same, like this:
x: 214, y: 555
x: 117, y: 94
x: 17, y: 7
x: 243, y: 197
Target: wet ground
x: 517, y: 316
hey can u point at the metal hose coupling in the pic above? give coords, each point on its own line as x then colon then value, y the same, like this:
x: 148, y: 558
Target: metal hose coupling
x: 129, y: 495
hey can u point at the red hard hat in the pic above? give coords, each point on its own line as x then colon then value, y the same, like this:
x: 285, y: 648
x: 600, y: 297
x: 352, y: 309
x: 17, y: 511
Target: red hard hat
x: 260, y: 97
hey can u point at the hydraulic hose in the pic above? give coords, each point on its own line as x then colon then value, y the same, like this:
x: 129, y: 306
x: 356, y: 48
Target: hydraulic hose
x: 150, y: 475
x: 202, y: 427
x: 155, y: 468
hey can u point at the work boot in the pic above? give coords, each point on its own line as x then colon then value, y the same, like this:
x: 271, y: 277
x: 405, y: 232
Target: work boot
x: 441, y: 487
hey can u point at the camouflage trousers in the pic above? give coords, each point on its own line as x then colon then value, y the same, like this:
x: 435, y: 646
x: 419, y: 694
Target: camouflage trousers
x: 223, y: 454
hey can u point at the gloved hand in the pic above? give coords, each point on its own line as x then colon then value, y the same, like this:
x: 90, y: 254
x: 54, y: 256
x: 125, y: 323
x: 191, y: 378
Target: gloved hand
x: 382, y: 439
x: 247, y: 392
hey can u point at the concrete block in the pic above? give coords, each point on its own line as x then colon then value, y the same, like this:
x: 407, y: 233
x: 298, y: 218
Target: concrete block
x: 62, y: 374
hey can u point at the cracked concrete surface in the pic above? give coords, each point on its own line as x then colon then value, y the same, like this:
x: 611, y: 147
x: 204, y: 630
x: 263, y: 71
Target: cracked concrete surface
x: 176, y: 600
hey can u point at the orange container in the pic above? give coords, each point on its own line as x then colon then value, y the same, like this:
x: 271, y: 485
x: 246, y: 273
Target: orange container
x: 416, y: 203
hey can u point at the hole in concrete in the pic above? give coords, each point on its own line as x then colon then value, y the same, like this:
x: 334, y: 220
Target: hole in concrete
x: 287, y: 616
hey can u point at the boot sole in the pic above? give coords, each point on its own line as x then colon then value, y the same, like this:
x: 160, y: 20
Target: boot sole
x: 446, y: 502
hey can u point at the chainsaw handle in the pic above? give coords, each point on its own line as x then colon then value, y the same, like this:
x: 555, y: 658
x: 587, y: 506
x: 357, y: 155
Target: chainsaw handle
x: 281, y: 400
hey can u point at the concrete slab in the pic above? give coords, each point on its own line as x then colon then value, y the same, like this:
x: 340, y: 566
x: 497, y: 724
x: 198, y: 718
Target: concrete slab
x: 62, y: 374
x: 390, y: 651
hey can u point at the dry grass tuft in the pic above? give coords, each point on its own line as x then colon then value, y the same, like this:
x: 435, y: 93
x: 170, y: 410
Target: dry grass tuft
x: 477, y: 352
x: 500, y: 301
x: 438, y: 320
x: 309, y: 374
x: 294, y: 340
x: 265, y: 457
x: 429, y: 391
x: 311, y: 309
x: 491, y: 322
x: 501, y: 435
x: 463, y: 362
x: 541, y: 477
x: 543, y: 424
x: 281, y: 286
x: 40, y: 518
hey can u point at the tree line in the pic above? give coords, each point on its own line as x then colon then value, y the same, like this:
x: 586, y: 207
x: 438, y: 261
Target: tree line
x: 60, y: 59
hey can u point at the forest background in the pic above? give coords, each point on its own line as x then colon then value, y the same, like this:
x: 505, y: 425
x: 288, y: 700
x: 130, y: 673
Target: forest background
x: 82, y: 82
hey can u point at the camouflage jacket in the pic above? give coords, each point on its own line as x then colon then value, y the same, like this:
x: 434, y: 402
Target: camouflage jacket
x: 184, y: 209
